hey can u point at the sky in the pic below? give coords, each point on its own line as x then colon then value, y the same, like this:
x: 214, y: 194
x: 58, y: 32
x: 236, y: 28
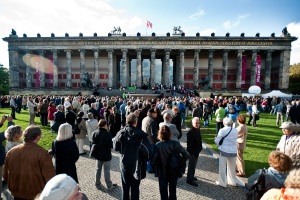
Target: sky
x: 203, y: 16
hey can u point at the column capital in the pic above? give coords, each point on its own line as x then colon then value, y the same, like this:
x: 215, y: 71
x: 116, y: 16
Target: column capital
x: 197, y: 50
x: 226, y: 50
x: 255, y: 51
x: 68, y: 51
x: 110, y: 50
x: 96, y: 50
x: 211, y: 50
x: 167, y: 50
x: 81, y: 50
x: 240, y: 51
x: 138, y: 50
x: 41, y: 51
x: 124, y: 50
x: 181, y: 50
x: 152, y: 50
x: 269, y: 51
x: 27, y: 51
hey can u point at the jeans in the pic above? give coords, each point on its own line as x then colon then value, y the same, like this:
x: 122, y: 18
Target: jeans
x: 13, y: 112
x: 130, y: 183
x: 206, y: 123
x: 183, y: 118
x: 287, y: 117
x: 149, y: 167
x: 44, y: 119
x: 219, y: 125
x: 193, y: 159
x: 209, y: 115
x: 24, y: 107
x: 273, y: 110
x: 106, y: 166
x: 163, y: 188
x: 250, y: 118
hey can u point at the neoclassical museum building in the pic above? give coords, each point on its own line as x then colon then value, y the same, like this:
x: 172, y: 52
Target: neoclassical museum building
x: 232, y: 63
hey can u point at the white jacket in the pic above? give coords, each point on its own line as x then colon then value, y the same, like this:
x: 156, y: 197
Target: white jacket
x: 91, y: 126
x: 229, y: 144
x: 85, y: 108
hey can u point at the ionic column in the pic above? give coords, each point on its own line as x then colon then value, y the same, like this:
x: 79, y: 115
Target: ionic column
x: 124, y: 68
x: 129, y: 71
x: 268, y: 69
x: 166, y: 71
x: 139, y: 68
x: 284, y: 69
x: 96, y: 67
x: 253, y: 67
x: 55, y: 70
x: 210, y: 67
x: 163, y: 69
x: 69, y: 70
x: 110, y: 67
x: 239, y: 69
x: 225, y: 69
x: 181, y: 68
x: 13, y: 68
x: 152, y: 68
x: 196, y: 68
x: 82, y: 66
x: 42, y: 69
x: 28, y: 69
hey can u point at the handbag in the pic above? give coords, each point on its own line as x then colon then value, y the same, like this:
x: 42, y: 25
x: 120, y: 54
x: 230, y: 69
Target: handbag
x: 222, y: 139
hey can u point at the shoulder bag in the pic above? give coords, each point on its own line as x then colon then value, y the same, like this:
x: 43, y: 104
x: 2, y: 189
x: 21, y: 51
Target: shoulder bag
x: 222, y: 140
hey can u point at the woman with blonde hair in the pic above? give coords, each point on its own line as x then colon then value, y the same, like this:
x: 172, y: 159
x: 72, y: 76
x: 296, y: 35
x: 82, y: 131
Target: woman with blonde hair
x: 65, y: 152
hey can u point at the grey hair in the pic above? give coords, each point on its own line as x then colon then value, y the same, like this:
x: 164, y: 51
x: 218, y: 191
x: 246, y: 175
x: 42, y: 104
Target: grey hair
x: 12, y: 131
x: 194, y: 119
x: 59, y: 107
x: 64, y: 132
x: 227, y: 121
x: 167, y: 116
x: 90, y: 115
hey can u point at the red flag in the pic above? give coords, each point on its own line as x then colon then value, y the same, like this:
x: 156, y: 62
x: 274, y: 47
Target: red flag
x: 149, y: 24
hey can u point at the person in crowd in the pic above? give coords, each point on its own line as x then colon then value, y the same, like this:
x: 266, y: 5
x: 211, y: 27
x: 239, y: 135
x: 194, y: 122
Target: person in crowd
x: 24, y: 103
x: 59, y: 118
x: 51, y: 111
x: 80, y: 138
x: 114, y: 124
x: 264, y: 105
x: 288, y: 108
x: 76, y: 105
x: 182, y: 109
x: 137, y: 112
x: 232, y: 112
x: 206, y: 110
x: 249, y: 112
x: 67, y: 103
x: 32, y: 109
x: 143, y: 113
x: 280, y: 110
x: 70, y: 115
x: 164, y: 148
x: 61, y: 187
x: 94, y: 111
x: 220, y: 115
x: 13, y: 107
x: 254, y: 114
x: 291, y: 190
x: 101, y: 151
x: 293, y: 112
x: 85, y: 108
x: 274, y: 176
x: 290, y: 142
x: 168, y: 109
x: 241, y: 145
x: 228, y: 153
x: 123, y: 113
x: 159, y: 118
x: 44, y: 112
x: 102, y: 111
x: 172, y: 127
x: 134, y: 156
x: 13, y: 136
x: 35, y: 160
x: 108, y: 114
x: 197, y: 111
x: 2, y: 148
x: 273, y: 104
x: 91, y: 126
x: 194, y: 147
x: 65, y: 152
x: 176, y: 119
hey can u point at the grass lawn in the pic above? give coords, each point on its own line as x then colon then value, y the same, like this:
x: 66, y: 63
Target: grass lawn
x: 23, y: 121
x: 261, y: 140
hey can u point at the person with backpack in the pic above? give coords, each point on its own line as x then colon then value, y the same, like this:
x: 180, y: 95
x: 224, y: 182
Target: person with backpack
x: 232, y: 112
x: 194, y: 147
x: 134, y: 147
x: 167, y: 172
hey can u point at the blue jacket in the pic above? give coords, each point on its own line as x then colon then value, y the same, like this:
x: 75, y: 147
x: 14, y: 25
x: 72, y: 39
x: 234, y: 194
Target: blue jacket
x: 232, y: 116
x: 281, y: 108
x: 122, y: 109
x: 249, y: 109
x: 2, y: 148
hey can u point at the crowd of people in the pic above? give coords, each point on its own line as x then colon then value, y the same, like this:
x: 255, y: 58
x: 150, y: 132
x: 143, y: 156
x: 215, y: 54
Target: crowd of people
x: 145, y: 132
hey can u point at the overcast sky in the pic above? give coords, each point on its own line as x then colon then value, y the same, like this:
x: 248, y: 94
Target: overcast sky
x: 204, y: 16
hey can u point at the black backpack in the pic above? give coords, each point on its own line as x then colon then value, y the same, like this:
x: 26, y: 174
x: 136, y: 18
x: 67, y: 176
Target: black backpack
x: 231, y: 109
x: 176, y: 164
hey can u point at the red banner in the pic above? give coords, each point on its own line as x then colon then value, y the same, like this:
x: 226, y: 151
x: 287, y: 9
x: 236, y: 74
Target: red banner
x: 244, y: 71
x: 258, y: 67
x: 37, y: 70
x: 50, y: 71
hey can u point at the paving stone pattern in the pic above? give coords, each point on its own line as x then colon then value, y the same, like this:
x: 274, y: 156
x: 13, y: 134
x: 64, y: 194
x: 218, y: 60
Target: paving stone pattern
x: 206, y: 172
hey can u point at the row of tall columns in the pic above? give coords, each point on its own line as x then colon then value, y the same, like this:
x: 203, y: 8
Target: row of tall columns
x: 126, y: 66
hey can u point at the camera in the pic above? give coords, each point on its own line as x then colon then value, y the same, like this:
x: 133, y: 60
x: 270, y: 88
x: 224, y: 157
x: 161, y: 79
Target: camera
x: 5, y: 116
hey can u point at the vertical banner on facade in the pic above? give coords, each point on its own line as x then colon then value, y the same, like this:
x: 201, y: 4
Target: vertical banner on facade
x: 50, y: 71
x: 258, y: 66
x: 37, y: 70
x: 244, y: 70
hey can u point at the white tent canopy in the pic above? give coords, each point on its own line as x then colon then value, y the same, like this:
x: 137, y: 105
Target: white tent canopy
x: 277, y: 93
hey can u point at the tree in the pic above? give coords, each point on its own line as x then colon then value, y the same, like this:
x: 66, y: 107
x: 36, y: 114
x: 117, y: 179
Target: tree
x: 4, y: 83
x: 294, y: 85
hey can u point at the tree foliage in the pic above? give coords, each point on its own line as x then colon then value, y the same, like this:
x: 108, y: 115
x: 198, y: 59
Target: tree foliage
x: 294, y: 85
x: 4, y: 80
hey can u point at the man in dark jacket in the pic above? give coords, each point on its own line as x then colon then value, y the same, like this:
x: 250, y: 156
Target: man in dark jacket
x: 102, y: 142
x: 133, y: 145
x: 293, y: 112
x: 59, y: 118
x: 194, y: 147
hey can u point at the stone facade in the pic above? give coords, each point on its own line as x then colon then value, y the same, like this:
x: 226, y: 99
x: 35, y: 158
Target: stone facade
x: 114, y: 61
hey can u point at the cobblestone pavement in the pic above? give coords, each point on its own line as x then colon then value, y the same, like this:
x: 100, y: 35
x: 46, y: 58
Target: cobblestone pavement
x: 206, y: 172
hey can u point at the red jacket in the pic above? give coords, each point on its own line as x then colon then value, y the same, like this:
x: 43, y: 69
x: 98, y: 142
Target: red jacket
x: 51, y: 111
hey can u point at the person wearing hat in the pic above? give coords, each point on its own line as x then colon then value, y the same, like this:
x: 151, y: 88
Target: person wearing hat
x: 61, y: 187
x: 290, y: 142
